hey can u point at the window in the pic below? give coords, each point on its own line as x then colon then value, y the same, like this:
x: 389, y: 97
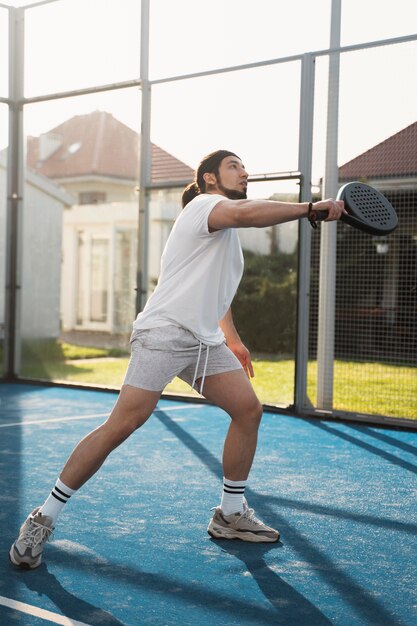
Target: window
x: 91, y: 197
x: 99, y: 280
x: 93, y: 281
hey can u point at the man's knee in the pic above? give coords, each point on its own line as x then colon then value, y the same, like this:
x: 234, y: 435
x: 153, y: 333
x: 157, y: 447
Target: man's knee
x: 113, y: 434
x: 132, y: 409
x: 123, y: 423
x: 257, y: 412
x: 250, y: 416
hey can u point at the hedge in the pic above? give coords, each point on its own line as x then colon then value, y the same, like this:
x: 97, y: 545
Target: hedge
x: 264, y: 308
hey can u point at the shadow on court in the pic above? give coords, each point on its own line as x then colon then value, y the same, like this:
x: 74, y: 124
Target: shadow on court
x: 372, y: 432
x: 42, y: 582
x: 287, y: 605
x: 369, y: 520
x: 388, y: 456
x: 291, y: 606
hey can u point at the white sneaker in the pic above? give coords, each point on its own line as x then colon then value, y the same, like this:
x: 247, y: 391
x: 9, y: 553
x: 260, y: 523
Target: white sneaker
x: 28, y: 547
x: 244, y: 526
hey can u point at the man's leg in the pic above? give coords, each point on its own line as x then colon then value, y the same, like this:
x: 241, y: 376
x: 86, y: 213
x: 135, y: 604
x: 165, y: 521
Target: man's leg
x: 233, y: 392
x: 132, y: 409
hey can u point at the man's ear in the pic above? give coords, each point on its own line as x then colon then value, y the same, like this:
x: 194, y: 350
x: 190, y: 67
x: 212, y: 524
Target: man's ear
x: 209, y: 178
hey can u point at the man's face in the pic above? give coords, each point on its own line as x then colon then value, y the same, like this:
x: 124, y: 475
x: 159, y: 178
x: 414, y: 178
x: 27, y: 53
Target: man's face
x: 232, y: 179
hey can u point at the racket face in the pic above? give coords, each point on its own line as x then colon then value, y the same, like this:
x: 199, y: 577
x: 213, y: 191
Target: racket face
x: 370, y: 207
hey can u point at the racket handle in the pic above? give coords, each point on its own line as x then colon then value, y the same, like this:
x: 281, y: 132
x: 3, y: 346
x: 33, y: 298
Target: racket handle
x: 319, y: 216
x: 316, y: 216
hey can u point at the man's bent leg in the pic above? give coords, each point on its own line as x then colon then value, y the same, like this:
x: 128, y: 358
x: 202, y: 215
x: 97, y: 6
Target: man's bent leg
x: 233, y: 392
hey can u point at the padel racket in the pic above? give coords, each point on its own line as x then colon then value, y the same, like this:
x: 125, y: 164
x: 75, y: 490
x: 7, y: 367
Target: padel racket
x: 367, y: 209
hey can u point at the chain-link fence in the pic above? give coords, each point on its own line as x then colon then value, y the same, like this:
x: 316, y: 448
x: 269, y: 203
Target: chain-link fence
x: 375, y: 338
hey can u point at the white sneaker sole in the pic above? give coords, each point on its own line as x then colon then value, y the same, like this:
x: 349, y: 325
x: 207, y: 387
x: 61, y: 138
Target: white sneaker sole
x: 219, y: 532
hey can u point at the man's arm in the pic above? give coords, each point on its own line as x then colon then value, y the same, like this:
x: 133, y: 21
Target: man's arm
x: 234, y: 343
x: 263, y: 213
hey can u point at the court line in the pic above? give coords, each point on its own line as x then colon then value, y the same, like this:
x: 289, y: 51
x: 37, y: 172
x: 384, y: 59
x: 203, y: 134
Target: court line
x: 35, y: 611
x: 54, y: 419
x: 70, y: 418
x: 179, y: 407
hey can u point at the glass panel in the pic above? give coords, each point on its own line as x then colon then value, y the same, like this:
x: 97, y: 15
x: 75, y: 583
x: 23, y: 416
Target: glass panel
x: 80, y: 236
x: 233, y: 33
x: 4, y: 56
x: 263, y: 130
x: 19, y: 3
x: 4, y: 52
x: 3, y: 224
x: 366, y: 21
x: 97, y: 45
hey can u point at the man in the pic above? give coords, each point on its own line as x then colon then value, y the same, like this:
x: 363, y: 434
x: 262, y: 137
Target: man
x: 186, y: 329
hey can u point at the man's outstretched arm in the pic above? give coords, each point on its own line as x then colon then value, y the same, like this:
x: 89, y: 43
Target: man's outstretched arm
x: 262, y: 213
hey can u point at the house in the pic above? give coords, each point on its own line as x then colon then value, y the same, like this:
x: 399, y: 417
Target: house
x: 44, y: 203
x: 95, y: 157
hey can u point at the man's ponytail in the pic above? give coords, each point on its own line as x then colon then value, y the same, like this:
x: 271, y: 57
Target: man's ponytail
x: 191, y: 191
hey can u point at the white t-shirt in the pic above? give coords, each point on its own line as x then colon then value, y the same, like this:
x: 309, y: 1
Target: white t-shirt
x: 200, y: 273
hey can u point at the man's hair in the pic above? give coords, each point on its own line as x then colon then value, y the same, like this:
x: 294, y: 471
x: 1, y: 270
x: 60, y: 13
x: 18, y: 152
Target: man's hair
x: 209, y: 164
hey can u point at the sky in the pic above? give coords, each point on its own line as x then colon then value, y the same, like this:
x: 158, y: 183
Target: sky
x: 74, y: 44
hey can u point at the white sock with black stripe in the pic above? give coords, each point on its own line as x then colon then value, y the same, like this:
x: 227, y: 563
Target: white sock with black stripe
x: 232, y: 496
x: 58, y: 497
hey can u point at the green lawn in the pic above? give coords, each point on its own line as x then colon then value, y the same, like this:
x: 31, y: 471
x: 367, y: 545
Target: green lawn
x: 374, y: 388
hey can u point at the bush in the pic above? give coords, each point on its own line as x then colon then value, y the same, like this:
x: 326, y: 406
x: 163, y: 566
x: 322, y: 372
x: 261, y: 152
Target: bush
x: 264, y: 308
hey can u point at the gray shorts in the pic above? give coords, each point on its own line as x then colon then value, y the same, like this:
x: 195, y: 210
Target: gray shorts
x: 160, y: 354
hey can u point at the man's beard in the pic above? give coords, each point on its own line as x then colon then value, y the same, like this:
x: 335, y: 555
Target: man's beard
x: 232, y: 194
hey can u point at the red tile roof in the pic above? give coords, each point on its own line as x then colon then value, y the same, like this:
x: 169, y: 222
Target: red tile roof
x: 394, y: 157
x: 167, y: 167
x: 98, y: 144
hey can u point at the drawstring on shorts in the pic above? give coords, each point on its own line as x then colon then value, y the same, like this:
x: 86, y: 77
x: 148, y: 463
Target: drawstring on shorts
x: 197, y: 366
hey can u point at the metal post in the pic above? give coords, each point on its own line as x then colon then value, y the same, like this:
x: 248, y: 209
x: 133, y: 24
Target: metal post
x: 305, y: 158
x: 145, y: 163
x: 327, y: 293
x: 15, y: 184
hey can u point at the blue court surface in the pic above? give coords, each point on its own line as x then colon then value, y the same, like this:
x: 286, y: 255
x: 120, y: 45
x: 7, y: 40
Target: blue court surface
x: 132, y: 548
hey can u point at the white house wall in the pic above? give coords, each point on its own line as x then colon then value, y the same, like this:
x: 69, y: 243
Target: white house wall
x: 41, y: 264
x: 41, y: 261
x: 3, y: 187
